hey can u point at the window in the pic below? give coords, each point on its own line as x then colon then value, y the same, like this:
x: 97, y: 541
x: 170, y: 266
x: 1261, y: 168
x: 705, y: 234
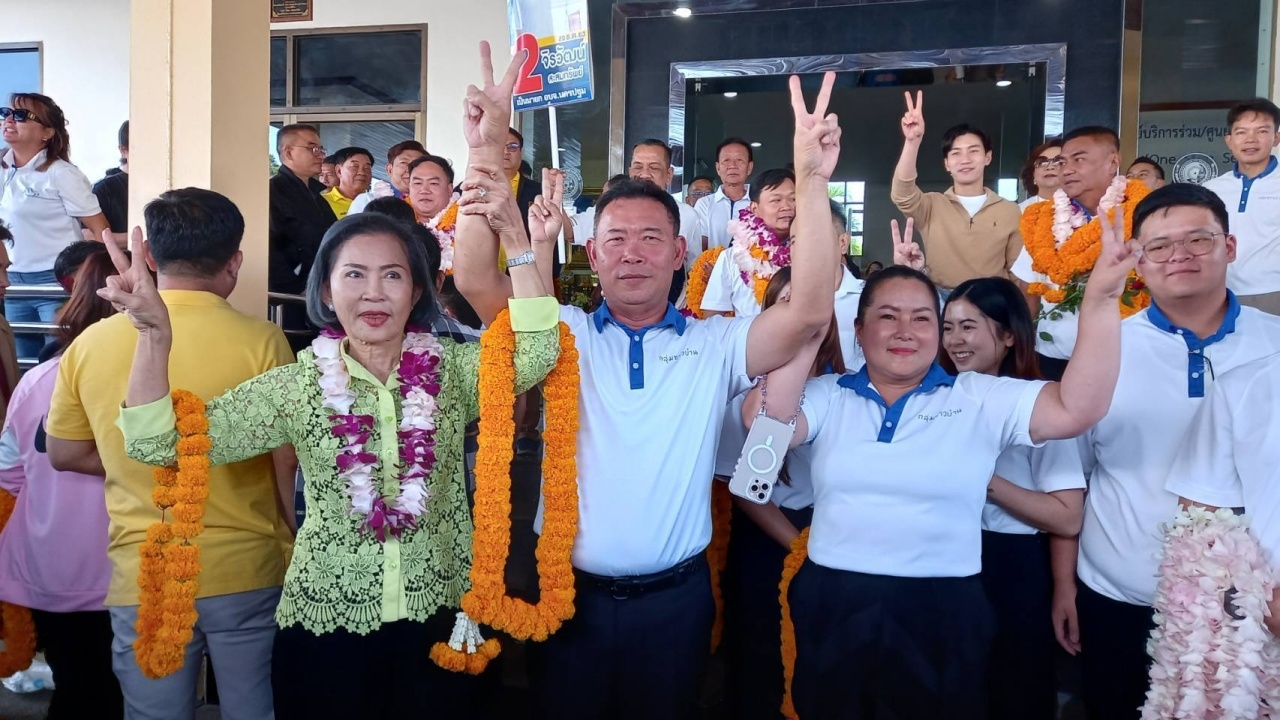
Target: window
x: 363, y: 89
x: 851, y: 197
x: 19, y: 70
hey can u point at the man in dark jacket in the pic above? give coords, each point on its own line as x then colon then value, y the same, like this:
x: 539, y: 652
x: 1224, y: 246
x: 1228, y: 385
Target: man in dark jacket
x: 299, y: 217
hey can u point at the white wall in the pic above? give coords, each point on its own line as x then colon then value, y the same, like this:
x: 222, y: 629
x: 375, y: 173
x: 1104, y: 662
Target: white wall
x: 86, y: 69
x: 454, y: 32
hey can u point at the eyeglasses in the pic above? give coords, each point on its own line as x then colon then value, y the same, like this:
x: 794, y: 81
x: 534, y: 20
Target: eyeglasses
x: 1160, y: 250
x: 514, y: 147
x: 19, y: 115
x: 315, y: 149
x: 699, y: 193
x: 1044, y: 162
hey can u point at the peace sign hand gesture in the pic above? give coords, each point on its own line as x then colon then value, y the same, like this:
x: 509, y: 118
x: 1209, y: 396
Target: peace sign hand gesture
x: 487, y: 112
x: 546, y: 213
x: 913, y: 118
x: 1116, y: 260
x: 817, y: 138
x: 906, y: 251
x: 133, y: 292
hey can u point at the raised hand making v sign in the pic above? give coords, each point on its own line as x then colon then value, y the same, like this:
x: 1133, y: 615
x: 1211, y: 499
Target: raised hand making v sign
x: 913, y: 118
x: 487, y: 110
x: 906, y: 251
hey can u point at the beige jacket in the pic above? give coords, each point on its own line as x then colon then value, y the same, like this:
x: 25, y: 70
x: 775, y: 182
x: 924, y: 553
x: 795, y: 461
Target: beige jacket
x: 957, y: 247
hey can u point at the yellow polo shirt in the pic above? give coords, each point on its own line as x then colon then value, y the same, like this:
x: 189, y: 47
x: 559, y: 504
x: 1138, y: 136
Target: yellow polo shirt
x: 340, y: 203
x: 245, y: 543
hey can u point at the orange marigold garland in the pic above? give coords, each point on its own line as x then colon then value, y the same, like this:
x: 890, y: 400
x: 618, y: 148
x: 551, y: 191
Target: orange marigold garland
x: 1068, y: 265
x: 168, y: 576
x: 487, y: 601
x: 790, y: 566
x: 718, y: 551
x: 17, y: 629
x: 699, y: 276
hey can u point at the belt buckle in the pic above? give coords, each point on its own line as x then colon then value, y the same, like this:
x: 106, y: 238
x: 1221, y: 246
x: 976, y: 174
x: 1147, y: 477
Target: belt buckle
x: 620, y: 590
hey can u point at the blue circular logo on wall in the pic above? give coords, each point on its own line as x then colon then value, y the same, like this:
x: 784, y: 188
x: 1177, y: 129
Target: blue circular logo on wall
x: 1196, y: 168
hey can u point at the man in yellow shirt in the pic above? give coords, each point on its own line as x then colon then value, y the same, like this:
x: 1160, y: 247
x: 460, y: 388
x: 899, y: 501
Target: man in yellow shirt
x: 195, y: 246
x: 354, y: 166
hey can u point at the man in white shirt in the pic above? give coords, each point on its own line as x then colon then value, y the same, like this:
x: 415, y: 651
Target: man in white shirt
x: 1251, y: 192
x: 582, y: 226
x: 399, y: 157
x: 1194, y: 332
x: 734, y: 164
x: 654, y: 392
x: 773, y: 201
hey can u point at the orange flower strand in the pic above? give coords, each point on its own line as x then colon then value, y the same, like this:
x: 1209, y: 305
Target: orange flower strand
x: 699, y: 276
x: 790, y: 566
x: 170, y: 567
x: 487, y: 601
x: 718, y: 551
x: 17, y: 629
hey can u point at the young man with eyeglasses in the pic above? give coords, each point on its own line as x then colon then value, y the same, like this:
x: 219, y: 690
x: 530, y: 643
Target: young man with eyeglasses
x: 1148, y: 171
x: 1194, y: 331
x: 1251, y: 192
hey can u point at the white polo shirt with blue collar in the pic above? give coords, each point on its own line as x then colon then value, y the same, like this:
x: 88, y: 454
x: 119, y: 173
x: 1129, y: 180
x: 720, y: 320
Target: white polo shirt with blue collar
x: 1166, y: 372
x: 1253, y: 208
x: 650, y: 410
x: 899, y: 489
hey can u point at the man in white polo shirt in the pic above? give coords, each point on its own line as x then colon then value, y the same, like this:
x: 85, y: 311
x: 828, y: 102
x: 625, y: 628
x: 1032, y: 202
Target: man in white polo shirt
x: 653, y: 396
x: 773, y: 202
x: 1231, y: 456
x: 734, y: 164
x: 1194, y: 331
x: 1251, y: 192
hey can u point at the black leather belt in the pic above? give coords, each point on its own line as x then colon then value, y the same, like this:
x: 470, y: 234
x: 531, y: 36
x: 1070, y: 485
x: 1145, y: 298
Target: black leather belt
x: 631, y: 586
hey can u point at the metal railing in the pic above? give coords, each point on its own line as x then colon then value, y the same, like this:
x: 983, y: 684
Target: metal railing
x: 276, y: 302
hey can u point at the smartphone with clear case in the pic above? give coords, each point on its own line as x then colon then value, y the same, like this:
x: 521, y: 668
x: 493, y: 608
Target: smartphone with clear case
x: 757, y: 471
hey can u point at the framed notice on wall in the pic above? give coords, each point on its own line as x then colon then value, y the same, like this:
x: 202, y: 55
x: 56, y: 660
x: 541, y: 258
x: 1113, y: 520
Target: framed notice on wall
x: 290, y: 10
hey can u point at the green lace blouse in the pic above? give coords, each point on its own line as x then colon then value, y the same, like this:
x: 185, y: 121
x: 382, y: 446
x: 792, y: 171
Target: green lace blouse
x: 339, y: 576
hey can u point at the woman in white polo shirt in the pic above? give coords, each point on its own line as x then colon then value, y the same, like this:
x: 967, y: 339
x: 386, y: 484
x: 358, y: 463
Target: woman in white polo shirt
x: 987, y: 329
x: 43, y: 199
x: 890, y: 615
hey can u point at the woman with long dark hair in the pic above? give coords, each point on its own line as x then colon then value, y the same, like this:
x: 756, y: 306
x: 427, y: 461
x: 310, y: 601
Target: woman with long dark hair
x: 44, y: 199
x: 53, y: 551
x: 1034, y: 492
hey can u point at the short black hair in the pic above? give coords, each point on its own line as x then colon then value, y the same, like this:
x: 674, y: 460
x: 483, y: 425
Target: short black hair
x: 751, y: 156
x: 1180, y: 195
x: 1093, y: 131
x: 6, y: 236
x: 614, y: 180
x: 122, y: 135
x: 654, y: 142
x: 347, y: 153
x: 1262, y: 106
x: 837, y: 214
x: 402, y: 147
x: 896, y: 272
x: 330, y: 160
x: 770, y: 179
x: 628, y: 189
x: 954, y: 133
x: 1144, y: 160
x: 289, y: 131
x: 392, y: 207
x: 423, y: 312
x: 703, y: 177
x: 431, y: 246
x: 436, y: 159
x: 518, y: 135
x: 71, y: 257
x: 193, y: 231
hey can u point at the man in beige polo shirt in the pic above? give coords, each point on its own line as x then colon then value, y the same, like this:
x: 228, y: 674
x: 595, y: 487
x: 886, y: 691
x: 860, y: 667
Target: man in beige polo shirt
x: 969, y: 231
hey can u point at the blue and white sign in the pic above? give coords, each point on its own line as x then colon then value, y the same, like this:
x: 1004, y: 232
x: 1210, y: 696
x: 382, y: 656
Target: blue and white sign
x: 558, y: 68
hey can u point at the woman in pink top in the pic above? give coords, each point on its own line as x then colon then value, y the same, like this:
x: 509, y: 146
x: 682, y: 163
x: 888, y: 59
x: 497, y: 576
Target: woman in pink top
x: 53, y: 552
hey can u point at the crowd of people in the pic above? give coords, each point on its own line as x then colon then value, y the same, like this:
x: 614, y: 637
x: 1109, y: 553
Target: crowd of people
x: 986, y: 440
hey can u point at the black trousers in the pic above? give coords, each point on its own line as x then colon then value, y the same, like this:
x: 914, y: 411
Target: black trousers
x: 889, y: 648
x: 77, y: 646
x: 752, y: 645
x: 640, y: 657
x: 1114, y: 664
x: 387, y: 673
x: 1019, y: 585
x: 1051, y: 368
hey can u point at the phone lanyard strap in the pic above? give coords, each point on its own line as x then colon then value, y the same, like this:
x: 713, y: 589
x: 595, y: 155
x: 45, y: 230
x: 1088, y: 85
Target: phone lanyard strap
x: 764, y: 393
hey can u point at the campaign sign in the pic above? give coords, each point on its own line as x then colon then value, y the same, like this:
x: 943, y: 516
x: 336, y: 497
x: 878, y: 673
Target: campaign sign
x: 557, y: 70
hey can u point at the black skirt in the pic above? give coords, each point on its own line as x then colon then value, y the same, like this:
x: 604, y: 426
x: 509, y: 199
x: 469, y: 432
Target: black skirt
x: 1019, y: 585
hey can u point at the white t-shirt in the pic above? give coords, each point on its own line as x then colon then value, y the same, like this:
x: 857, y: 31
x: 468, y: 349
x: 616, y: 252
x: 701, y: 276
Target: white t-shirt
x: 650, y: 413
x: 1165, y: 373
x: 1253, y: 207
x: 972, y: 203
x: 1029, y: 202
x: 1051, y: 468
x: 733, y: 436
x: 714, y: 213
x: 1231, y: 455
x: 1055, y: 332
x: 41, y: 209
x: 900, y: 490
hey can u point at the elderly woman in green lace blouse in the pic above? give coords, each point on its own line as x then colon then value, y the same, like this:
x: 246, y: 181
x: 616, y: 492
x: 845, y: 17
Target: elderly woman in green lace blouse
x: 376, y: 410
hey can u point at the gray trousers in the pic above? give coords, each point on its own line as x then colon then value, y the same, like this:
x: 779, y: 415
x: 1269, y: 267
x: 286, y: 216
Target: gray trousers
x: 236, y: 630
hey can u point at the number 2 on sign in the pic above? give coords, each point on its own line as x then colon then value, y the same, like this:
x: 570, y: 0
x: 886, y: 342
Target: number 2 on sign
x: 528, y: 82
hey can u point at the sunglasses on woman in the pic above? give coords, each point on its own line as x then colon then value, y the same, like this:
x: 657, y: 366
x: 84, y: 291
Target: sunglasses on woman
x: 18, y: 114
x: 1056, y: 161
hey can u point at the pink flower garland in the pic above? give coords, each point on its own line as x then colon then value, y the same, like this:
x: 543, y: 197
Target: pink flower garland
x: 1211, y: 660
x: 419, y: 374
x: 748, y: 232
